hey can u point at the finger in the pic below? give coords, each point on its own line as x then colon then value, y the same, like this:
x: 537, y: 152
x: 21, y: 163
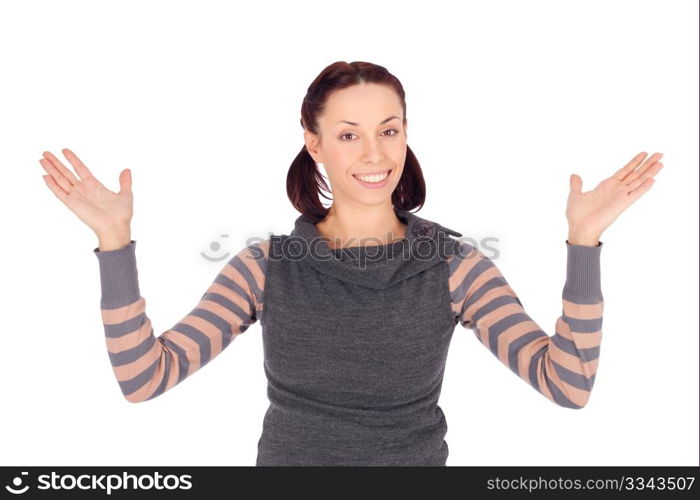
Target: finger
x: 649, y: 171
x: 55, y: 188
x: 631, y: 165
x: 575, y: 183
x: 643, y: 168
x: 61, y: 181
x: 60, y: 167
x: 79, y: 166
x: 640, y: 190
x: 125, y: 181
x: 652, y: 170
x: 633, y: 185
x: 652, y: 160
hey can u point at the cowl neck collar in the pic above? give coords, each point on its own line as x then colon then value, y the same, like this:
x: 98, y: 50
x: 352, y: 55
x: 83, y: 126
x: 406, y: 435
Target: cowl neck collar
x: 425, y: 245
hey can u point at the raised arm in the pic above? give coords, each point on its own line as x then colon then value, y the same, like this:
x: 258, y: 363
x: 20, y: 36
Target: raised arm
x: 561, y: 367
x: 145, y: 365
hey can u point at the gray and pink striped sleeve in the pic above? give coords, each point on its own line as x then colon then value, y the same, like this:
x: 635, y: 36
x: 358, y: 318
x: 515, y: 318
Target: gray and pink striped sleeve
x: 561, y: 367
x: 145, y: 365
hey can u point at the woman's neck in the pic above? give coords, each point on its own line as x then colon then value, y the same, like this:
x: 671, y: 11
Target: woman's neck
x: 351, y: 227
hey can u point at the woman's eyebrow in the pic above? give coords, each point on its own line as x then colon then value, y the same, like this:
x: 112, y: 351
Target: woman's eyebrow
x: 380, y: 123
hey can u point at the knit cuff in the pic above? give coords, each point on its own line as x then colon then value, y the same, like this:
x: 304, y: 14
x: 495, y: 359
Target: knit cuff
x: 118, y: 276
x: 583, y: 274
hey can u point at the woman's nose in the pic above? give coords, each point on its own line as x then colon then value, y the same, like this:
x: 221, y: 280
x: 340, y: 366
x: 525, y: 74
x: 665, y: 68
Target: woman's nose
x: 372, y: 151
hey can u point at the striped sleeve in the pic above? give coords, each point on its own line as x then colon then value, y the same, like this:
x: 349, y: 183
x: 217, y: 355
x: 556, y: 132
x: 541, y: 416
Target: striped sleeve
x: 561, y: 367
x: 145, y: 365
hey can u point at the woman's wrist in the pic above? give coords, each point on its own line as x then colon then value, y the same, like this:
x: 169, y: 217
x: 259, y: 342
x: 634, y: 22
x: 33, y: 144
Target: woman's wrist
x: 114, y: 240
x: 583, y: 239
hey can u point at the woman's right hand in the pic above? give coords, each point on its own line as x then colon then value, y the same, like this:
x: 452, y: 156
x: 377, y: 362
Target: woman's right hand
x: 107, y: 213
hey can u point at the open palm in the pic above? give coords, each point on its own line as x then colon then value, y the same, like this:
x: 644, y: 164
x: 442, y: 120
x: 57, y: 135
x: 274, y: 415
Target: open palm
x: 98, y: 207
x: 592, y: 212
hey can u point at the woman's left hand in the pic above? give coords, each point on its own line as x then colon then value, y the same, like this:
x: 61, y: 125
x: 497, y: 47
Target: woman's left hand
x: 590, y: 213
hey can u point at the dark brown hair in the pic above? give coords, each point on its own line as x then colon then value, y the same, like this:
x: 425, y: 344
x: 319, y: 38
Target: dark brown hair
x: 304, y: 181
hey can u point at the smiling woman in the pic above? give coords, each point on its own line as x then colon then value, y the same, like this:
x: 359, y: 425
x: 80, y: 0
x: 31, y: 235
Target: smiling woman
x: 355, y: 337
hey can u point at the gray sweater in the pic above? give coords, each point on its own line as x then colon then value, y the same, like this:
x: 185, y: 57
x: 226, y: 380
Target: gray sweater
x: 356, y: 339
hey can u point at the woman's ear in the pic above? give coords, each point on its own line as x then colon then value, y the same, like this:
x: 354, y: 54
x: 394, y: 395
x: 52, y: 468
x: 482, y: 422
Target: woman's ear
x: 312, y: 145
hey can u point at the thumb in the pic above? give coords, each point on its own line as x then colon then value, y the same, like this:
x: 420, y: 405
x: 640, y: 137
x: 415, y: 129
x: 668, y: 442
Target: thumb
x: 575, y: 183
x: 125, y: 181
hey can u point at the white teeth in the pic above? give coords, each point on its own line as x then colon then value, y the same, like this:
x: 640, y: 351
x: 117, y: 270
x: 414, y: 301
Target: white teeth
x: 372, y: 178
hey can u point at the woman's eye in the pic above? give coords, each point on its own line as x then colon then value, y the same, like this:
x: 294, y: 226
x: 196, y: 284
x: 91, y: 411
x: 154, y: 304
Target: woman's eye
x: 343, y: 137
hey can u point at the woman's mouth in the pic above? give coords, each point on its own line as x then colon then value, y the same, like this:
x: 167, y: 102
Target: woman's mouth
x: 373, y: 181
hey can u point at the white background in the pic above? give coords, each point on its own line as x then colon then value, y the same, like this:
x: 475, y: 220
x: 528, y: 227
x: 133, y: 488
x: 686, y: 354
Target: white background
x: 505, y: 99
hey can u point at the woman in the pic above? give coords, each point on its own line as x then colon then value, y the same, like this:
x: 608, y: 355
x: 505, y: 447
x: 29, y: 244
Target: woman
x: 358, y: 303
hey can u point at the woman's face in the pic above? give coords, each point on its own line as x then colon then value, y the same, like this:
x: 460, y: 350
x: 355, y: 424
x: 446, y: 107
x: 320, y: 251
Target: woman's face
x: 361, y: 132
